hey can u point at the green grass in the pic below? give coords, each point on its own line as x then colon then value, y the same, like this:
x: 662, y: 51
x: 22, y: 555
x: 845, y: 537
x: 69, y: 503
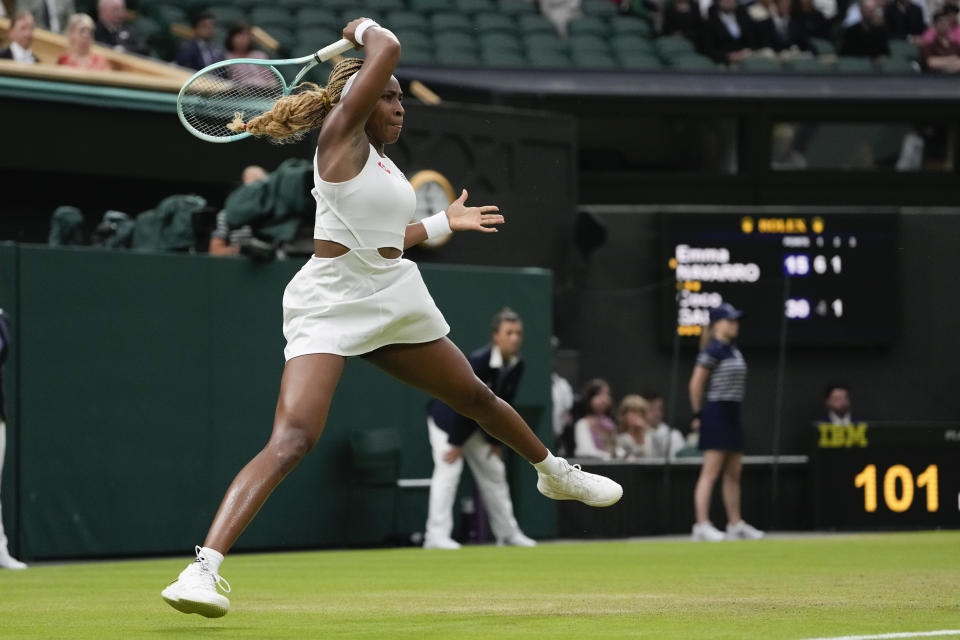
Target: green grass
x: 775, y: 588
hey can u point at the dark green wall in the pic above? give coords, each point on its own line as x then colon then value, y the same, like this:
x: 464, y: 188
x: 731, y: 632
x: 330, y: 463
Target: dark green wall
x: 147, y: 381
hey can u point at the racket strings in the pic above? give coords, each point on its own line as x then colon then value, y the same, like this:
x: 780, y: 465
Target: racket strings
x: 213, y: 100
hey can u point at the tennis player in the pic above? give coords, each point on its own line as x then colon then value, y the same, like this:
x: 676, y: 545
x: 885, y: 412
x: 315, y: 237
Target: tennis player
x: 358, y: 297
x: 717, y: 388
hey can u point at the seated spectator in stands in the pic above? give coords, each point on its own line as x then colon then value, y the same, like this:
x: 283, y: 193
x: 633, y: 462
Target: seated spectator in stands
x: 943, y: 54
x: 225, y: 241
x: 201, y: 51
x: 80, y: 40
x: 931, y: 33
x: 21, y: 39
x: 837, y: 401
x: 779, y: 31
x: 904, y: 19
x: 665, y: 441
x: 112, y: 30
x: 51, y: 15
x: 728, y: 34
x: 682, y: 18
x: 813, y: 22
x: 867, y: 38
x: 239, y: 44
x: 560, y: 12
x: 595, y: 434
x: 634, y: 437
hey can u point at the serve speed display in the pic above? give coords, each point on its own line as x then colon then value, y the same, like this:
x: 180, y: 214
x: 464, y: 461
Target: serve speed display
x: 841, y: 269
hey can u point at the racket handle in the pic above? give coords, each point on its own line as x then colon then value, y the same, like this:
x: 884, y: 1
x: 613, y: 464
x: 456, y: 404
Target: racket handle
x: 334, y: 49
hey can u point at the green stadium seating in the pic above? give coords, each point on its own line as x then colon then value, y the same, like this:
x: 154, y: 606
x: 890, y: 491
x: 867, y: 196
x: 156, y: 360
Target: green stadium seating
x: 544, y: 42
x: 167, y: 14
x: 226, y: 14
x: 413, y: 38
x: 902, y: 50
x: 672, y: 46
x: 382, y: 6
x: 314, y: 17
x: 897, y: 65
x: 475, y: 6
x: 535, y: 24
x: 289, y: 5
x: 822, y: 46
x: 454, y: 40
x: 588, y: 44
x: 640, y: 62
x: 264, y: 16
x: 288, y: 41
x: 416, y: 56
x: 448, y: 21
x: 693, y: 62
x: 516, y: 7
x: 455, y: 57
x: 548, y: 59
x: 588, y: 25
x: 630, y: 24
x: 312, y: 38
x: 593, y: 60
x: 600, y: 8
x: 488, y: 22
x: 498, y: 58
x: 760, y: 64
x: 631, y: 44
x: 429, y: 6
x: 500, y: 41
x: 349, y: 15
x: 247, y: 5
x: 406, y: 20
x: 808, y: 65
x: 849, y: 64
x: 341, y: 5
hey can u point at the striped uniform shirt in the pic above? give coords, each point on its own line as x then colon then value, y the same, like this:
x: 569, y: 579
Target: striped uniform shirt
x: 728, y: 372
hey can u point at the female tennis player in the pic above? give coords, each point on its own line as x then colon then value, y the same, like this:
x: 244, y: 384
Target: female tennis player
x: 717, y: 386
x: 358, y: 296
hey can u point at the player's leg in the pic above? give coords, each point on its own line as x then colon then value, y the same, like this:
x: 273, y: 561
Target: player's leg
x: 443, y: 491
x: 6, y: 560
x: 490, y: 474
x: 732, y: 470
x: 712, y: 465
x: 306, y: 391
x: 442, y: 371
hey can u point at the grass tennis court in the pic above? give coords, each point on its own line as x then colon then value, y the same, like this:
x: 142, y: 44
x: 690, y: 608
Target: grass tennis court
x: 774, y: 588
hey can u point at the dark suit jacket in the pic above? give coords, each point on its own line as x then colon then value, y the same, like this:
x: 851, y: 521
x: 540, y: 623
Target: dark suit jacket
x: 191, y: 56
x: 124, y: 37
x: 864, y: 42
x: 904, y: 21
x: 686, y: 23
x: 795, y: 36
x: 716, y: 42
x: 459, y: 428
x: 6, y: 54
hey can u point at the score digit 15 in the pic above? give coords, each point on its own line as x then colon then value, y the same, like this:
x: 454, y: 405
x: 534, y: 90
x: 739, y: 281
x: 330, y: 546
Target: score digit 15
x: 898, y: 501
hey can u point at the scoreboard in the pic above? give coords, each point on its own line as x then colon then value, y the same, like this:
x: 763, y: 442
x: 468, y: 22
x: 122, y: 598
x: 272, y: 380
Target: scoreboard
x: 831, y: 276
x: 886, y: 475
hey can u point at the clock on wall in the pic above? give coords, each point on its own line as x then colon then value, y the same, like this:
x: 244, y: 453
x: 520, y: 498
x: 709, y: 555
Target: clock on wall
x: 434, y: 194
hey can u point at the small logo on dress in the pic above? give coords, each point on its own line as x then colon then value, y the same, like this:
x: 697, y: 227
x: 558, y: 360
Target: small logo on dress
x: 382, y: 166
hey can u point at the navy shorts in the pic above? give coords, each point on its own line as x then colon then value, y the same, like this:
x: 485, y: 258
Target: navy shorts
x: 720, y: 427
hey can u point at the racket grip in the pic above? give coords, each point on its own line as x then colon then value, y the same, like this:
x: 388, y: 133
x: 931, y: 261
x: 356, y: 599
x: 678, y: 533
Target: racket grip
x: 334, y: 49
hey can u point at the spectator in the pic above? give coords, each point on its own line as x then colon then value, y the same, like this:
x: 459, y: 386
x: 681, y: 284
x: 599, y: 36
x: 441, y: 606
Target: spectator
x: 201, y: 51
x: 112, y: 30
x: 239, y: 44
x: 21, y: 39
x: 943, y: 54
x: 904, y: 19
x: 682, y: 18
x: 595, y: 434
x: 225, y: 241
x: 562, y: 394
x: 51, y: 15
x: 930, y: 35
x: 6, y: 560
x: 632, y: 419
x: 80, y: 39
x: 812, y: 21
x: 560, y: 12
x: 665, y: 441
x: 837, y: 401
x: 868, y: 37
x: 728, y: 34
x: 455, y: 438
x: 780, y: 32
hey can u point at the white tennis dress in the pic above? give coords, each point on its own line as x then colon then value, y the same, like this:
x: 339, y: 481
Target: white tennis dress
x: 360, y: 301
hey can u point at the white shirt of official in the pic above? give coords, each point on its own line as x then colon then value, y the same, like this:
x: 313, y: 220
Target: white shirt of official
x: 844, y: 420
x: 20, y: 54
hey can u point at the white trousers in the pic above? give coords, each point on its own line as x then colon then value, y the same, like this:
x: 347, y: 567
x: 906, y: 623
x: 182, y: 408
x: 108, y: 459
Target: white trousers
x: 3, y: 452
x: 489, y: 473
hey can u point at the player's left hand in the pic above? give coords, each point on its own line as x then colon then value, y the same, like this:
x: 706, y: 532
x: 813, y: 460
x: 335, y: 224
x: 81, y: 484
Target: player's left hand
x: 464, y: 218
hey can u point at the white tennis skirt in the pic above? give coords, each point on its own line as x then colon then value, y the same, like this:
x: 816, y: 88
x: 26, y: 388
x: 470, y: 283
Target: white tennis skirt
x: 358, y: 302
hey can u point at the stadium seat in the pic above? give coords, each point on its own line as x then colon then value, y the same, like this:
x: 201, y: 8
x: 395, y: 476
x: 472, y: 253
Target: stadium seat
x: 672, y: 46
x: 500, y: 41
x: 693, y: 62
x: 535, y: 24
x: 849, y: 64
x: 340, y: 5
x: 630, y: 24
x: 429, y: 6
x: 416, y: 56
x: 760, y: 64
x: 381, y: 6
x: 822, y: 46
x: 314, y: 17
x: 499, y: 58
x: 544, y: 42
x: 807, y: 65
x: 247, y: 5
x: 475, y: 6
x: 548, y: 59
x: 516, y: 7
x: 448, y: 21
x: 640, y: 62
x: 312, y: 38
x: 631, y: 44
x: 588, y: 25
x: 454, y: 40
x: 593, y: 60
x: 167, y: 14
x: 902, y: 50
x: 456, y: 57
x: 488, y: 22
x: 588, y: 44
x: 267, y: 16
x: 413, y: 38
x: 288, y: 41
x: 349, y: 15
x: 897, y: 65
x: 226, y: 14
x: 406, y: 20
x: 599, y: 8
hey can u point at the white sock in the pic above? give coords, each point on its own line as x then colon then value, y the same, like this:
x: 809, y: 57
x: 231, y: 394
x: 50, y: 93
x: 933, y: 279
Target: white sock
x: 549, y: 465
x: 214, y: 559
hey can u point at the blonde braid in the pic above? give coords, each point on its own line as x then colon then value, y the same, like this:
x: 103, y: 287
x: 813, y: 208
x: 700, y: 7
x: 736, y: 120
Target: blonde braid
x: 303, y: 110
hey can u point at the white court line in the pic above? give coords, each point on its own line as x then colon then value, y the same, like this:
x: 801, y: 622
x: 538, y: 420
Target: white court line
x: 908, y: 634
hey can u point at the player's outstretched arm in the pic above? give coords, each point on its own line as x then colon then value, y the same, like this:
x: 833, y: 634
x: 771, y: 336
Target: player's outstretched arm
x: 459, y: 217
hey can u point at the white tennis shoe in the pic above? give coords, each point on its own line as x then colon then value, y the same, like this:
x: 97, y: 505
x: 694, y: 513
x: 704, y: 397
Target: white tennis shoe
x: 7, y: 561
x: 573, y: 483
x: 195, y: 590
x: 517, y: 539
x: 448, y: 544
x: 743, y: 531
x: 706, y: 532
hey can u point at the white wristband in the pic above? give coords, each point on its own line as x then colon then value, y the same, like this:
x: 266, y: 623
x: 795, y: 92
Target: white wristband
x: 437, y: 225
x: 362, y: 28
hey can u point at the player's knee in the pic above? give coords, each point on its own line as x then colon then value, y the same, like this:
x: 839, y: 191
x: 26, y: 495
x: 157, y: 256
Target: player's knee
x: 290, y: 444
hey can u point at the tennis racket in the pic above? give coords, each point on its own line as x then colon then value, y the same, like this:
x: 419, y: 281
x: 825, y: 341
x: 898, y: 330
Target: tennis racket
x: 211, y: 98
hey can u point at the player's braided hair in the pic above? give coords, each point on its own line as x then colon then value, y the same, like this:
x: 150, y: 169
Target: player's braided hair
x: 303, y: 110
